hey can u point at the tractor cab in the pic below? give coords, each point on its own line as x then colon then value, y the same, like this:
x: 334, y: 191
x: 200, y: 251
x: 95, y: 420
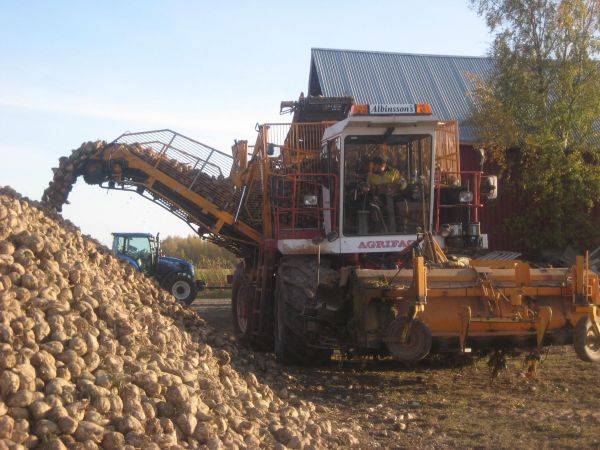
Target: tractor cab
x: 141, y: 250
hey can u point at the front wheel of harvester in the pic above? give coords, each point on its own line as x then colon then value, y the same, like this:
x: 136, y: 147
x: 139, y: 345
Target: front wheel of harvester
x: 585, y: 341
x: 412, y: 347
x: 183, y: 288
x: 294, y: 288
x: 242, y: 295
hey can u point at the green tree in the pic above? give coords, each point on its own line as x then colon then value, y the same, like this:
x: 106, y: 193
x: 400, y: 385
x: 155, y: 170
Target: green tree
x: 537, y: 113
x: 203, y: 254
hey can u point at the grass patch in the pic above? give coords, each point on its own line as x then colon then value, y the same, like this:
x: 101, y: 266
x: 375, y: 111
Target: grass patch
x: 216, y: 281
x: 213, y: 277
x: 215, y: 293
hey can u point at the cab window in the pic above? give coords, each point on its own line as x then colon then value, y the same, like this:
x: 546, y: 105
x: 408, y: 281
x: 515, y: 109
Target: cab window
x: 387, y: 182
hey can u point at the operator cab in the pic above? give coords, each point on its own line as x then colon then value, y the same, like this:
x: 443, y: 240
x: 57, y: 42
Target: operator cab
x: 386, y: 174
x: 386, y: 183
x: 385, y: 157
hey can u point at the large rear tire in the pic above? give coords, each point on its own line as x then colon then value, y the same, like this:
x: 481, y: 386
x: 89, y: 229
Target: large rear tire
x: 295, y: 287
x: 183, y: 288
x: 242, y: 298
x: 585, y: 341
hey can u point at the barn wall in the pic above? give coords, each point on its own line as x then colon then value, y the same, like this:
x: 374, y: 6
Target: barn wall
x: 495, y: 212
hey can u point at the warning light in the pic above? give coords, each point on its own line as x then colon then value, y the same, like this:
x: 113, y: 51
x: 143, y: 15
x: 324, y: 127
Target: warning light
x: 359, y: 109
x: 423, y: 108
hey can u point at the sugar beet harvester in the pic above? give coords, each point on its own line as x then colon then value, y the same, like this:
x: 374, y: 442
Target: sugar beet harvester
x: 340, y: 250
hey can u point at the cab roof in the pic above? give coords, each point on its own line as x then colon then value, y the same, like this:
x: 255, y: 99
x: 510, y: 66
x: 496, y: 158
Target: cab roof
x: 129, y: 234
x: 381, y: 122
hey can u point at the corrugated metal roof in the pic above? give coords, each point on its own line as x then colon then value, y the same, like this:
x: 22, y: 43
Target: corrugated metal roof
x: 378, y: 77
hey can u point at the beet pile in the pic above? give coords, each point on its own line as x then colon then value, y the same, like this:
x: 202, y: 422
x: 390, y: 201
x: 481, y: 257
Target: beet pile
x: 94, y: 355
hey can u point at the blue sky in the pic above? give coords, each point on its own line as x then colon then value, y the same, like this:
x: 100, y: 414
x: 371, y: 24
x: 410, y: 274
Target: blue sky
x: 77, y: 71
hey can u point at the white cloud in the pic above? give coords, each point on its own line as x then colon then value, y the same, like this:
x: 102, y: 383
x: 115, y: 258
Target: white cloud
x: 234, y: 122
x: 28, y: 158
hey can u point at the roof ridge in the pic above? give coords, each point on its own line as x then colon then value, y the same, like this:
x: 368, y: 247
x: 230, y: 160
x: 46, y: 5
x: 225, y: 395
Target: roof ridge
x: 313, y: 49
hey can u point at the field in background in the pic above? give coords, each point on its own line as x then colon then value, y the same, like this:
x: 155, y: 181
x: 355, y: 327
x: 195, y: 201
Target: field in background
x: 213, y: 277
x: 213, y: 264
x: 215, y: 294
x: 216, y: 282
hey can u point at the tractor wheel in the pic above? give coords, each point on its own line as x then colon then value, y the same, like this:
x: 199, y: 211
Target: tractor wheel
x: 585, y: 341
x: 417, y: 344
x: 182, y: 287
x: 294, y: 288
x: 242, y: 298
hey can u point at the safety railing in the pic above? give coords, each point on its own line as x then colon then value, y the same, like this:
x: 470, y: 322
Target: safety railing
x: 174, y: 147
x: 279, y: 149
x: 305, y: 205
x: 469, y: 180
x: 195, y: 165
x: 294, y: 146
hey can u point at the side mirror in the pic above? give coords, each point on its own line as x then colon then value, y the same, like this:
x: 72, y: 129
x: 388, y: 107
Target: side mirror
x: 332, y: 236
x: 489, y: 187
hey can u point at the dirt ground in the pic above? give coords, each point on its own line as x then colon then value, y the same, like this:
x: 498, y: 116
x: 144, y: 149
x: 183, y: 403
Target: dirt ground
x: 442, y: 403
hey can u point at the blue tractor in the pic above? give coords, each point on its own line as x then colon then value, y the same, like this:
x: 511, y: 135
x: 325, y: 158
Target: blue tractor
x: 142, y: 251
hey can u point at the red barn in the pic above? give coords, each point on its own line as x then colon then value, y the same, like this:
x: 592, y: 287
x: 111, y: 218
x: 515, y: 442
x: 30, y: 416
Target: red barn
x: 443, y: 81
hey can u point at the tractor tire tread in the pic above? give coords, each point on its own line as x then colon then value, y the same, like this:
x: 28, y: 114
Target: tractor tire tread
x: 291, y: 293
x: 173, y: 278
x: 247, y: 338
